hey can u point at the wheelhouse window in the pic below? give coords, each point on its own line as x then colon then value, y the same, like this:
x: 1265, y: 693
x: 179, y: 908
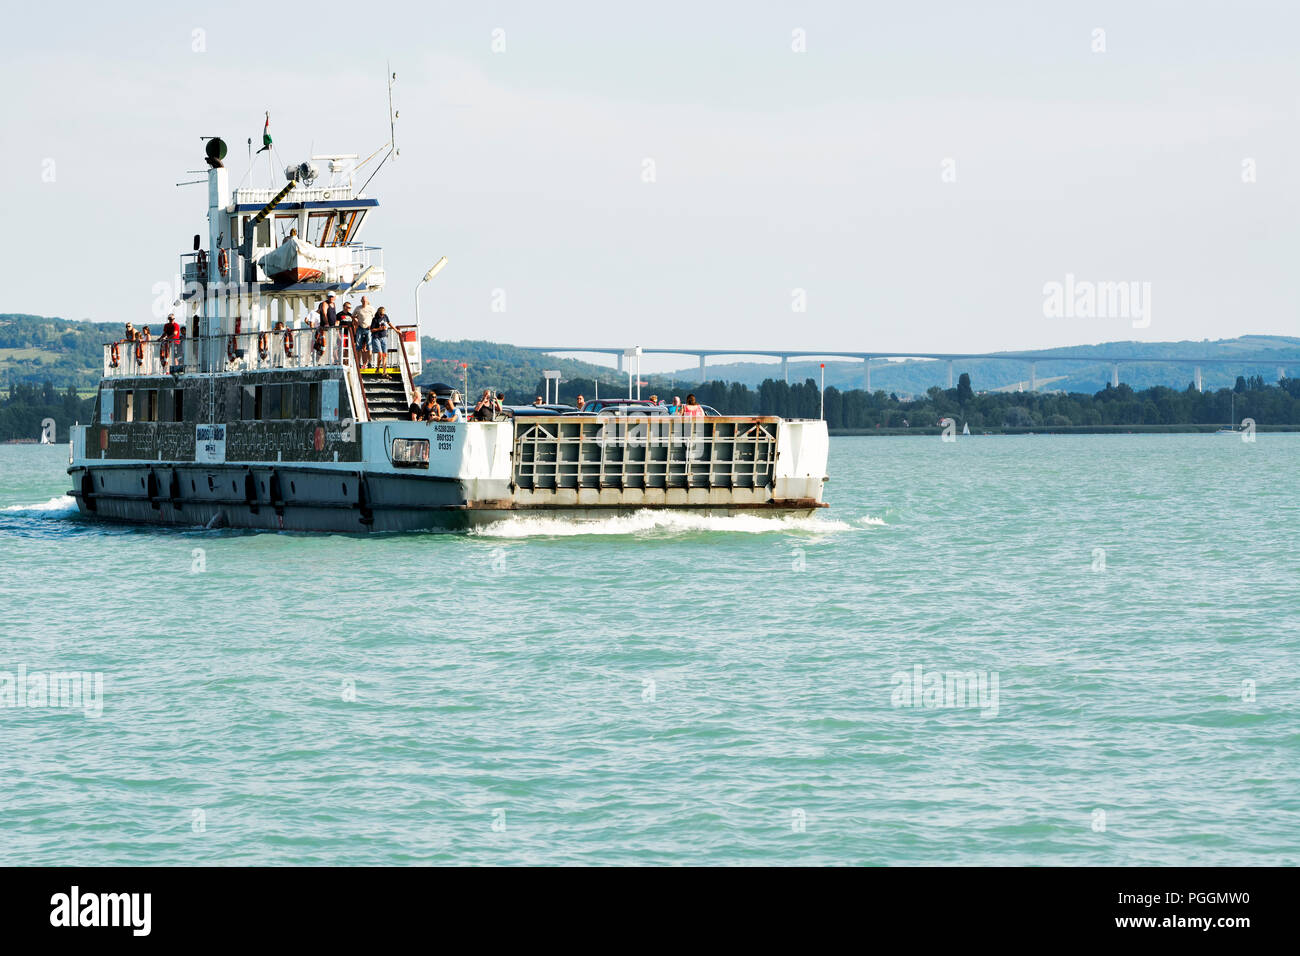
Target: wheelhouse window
x: 329, y: 227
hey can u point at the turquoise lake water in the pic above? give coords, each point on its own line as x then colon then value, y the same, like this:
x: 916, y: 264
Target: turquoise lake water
x: 665, y: 689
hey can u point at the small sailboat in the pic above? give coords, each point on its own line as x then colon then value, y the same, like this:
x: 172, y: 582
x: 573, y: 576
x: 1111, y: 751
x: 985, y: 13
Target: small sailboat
x: 1230, y: 428
x: 965, y: 428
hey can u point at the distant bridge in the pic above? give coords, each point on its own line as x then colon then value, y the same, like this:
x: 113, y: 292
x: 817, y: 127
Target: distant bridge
x: 1114, y: 359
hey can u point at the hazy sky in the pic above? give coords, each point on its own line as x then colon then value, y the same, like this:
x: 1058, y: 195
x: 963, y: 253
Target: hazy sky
x: 774, y: 170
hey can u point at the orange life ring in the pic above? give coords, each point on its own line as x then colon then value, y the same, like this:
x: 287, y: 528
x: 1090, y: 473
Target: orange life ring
x: 288, y: 342
x: 164, y: 352
x: 318, y: 342
x: 114, y: 355
x: 139, y: 351
x: 261, y: 344
x: 232, y: 349
x: 223, y: 262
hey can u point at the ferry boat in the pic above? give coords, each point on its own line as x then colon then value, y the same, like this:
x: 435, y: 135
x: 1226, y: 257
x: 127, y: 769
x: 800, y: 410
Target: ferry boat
x: 254, y: 417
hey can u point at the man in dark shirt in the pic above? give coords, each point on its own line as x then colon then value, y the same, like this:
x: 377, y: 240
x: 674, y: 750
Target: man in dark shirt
x: 326, y: 316
x: 415, y: 409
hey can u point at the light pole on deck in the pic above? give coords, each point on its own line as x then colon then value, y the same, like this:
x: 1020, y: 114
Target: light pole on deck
x: 433, y: 271
x: 629, y: 354
x: 552, y: 375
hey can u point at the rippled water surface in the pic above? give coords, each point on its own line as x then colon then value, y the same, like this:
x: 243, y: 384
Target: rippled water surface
x: 661, y: 688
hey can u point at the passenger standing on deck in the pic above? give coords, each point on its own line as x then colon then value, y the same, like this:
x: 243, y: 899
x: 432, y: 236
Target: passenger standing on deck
x: 379, y: 329
x: 692, y: 408
x: 365, y: 315
x: 326, y: 317
x: 347, y: 326
x: 431, y: 411
x: 580, y: 404
x: 414, y: 411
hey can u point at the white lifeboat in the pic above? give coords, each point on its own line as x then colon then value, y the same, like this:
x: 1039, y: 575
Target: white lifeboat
x: 295, y: 261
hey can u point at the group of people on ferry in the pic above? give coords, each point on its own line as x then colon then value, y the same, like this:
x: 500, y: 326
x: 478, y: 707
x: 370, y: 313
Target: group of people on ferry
x: 431, y: 408
x: 171, y: 331
x: 691, y: 408
x: 369, y: 327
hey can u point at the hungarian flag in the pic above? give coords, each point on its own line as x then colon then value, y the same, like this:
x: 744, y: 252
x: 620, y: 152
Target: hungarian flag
x: 266, y: 135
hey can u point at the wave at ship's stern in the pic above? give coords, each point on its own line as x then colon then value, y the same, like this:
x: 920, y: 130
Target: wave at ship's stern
x: 652, y: 522
x: 60, y: 506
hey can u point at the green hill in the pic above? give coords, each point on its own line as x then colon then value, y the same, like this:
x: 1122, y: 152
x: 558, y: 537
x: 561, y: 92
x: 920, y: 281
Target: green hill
x: 35, y: 349
x: 516, y: 371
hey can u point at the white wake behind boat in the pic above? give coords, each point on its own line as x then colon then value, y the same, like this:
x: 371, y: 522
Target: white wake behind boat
x: 295, y: 261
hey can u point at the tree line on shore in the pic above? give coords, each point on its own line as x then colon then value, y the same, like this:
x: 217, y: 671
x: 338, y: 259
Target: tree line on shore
x: 24, y: 407
x: 1267, y: 404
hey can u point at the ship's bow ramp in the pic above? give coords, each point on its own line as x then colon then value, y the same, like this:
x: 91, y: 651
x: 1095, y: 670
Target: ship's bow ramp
x: 724, y: 462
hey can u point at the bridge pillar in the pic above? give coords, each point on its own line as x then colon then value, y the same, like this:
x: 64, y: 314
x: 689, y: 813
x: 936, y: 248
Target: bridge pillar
x: 1033, y: 376
x: 785, y: 368
x: 1199, y: 387
x: 950, y: 373
x: 1114, y: 375
x: 867, y: 365
x: 701, y: 368
x: 620, y: 363
x: 1281, y: 373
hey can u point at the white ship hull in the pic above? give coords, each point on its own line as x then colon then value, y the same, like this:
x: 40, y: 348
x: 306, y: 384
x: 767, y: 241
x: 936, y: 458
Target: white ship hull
x: 473, y: 477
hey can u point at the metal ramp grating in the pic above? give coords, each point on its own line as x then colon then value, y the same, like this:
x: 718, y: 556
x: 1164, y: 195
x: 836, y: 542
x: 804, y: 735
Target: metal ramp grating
x: 577, y: 453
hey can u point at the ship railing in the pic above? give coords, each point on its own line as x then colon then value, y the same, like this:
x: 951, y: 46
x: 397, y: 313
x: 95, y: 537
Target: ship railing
x: 159, y: 356
x: 361, y: 258
x: 409, y: 336
x: 287, y: 348
x: 245, y: 351
x: 301, y: 193
x: 194, y: 267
